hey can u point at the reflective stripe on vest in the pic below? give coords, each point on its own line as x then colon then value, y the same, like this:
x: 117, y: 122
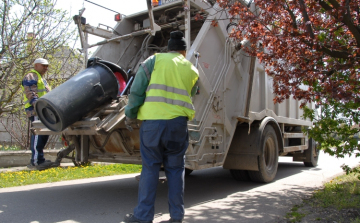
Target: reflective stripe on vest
x: 41, y: 90
x: 168, y: 93
x: 167, y: 88
x: 170, y: 101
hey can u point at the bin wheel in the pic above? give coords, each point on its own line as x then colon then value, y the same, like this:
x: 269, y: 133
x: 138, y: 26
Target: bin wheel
x: 268, y: 159
x: 76, y: 163
x: 311, y: 154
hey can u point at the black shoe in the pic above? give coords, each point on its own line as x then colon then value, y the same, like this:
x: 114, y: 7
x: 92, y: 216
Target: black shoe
x: 31, y: 166
x: 44, y: 165
x: 130, y: 218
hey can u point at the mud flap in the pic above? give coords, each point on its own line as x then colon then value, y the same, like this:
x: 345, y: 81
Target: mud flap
x: 304, y: 156
x: 299, y: 157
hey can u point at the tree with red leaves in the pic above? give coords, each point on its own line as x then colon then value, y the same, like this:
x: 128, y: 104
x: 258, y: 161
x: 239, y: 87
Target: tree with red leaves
x: 311, y: 43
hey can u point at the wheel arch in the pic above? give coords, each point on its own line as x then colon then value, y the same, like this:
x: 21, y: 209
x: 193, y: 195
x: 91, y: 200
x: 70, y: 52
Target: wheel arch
x: 245, y: 146
x: 271, y: 121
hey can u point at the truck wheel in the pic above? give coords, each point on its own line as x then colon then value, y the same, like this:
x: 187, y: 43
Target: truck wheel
x: 311, y: 154
x: 240, y: 175
x: 268, y: 159
x: 188, y: 172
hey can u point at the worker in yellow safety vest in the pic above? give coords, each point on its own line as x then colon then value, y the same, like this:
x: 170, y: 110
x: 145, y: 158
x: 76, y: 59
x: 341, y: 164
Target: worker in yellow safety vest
x: 35, y: 86
x: 161, y: 97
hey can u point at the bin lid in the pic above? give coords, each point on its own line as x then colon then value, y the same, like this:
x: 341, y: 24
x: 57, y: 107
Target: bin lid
x: 113, y: 67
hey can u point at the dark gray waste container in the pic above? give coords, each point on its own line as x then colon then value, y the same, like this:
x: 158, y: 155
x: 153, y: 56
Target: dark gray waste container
x: 79, y: 95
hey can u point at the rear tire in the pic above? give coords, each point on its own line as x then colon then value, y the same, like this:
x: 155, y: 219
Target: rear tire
x: 240, y: 175
x: 268, y: 159
x: 312, y: 154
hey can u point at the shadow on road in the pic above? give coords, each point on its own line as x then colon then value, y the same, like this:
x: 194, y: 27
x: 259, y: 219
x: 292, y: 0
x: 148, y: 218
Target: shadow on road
x: 245, y: 201
x: 211, y: 195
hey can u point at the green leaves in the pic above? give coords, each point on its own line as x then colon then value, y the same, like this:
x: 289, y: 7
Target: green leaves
x: 336, y: 128
x: 32, y: 29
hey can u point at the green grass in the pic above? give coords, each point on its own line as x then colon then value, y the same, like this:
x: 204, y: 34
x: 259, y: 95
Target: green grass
x: 294, y: 215
x: 9, y: 148
x: 21, y: 178
x: 341, y: 192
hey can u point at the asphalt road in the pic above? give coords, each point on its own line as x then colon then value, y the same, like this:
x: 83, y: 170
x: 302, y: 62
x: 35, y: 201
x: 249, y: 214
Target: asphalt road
x: 210, y: 196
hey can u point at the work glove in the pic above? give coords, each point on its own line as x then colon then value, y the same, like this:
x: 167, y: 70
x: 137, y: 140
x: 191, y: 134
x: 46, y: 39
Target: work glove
x: 129, y: 122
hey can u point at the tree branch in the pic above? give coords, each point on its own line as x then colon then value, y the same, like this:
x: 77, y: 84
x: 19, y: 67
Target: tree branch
x: 346, y: 19
x: 287, y: 8
x: 3, y: 28
x: 306, y: 19
x: 25, y: 18
x: 335, y: 53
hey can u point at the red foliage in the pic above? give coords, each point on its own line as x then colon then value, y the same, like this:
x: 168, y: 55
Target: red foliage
x: 198, y: 17
x: 307, y: 42
x: 214, y: 23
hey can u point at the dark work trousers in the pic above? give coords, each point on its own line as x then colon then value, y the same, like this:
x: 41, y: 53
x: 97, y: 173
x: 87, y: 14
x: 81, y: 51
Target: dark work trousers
x: 162, y: 142
x: 37, y: 144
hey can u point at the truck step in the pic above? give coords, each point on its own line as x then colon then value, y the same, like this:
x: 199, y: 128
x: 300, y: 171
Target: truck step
x: 294, y: 135
x: 288, y: 149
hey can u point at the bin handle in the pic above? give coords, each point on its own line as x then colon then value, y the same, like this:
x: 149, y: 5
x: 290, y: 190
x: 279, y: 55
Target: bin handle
x: 127, y: 86
x: 99, y: 86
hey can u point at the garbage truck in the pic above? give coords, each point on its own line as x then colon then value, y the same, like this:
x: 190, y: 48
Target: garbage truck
x: 237, y: 125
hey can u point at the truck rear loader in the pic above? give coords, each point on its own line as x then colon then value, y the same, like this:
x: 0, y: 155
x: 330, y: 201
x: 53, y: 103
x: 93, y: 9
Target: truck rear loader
x: 237, y: 125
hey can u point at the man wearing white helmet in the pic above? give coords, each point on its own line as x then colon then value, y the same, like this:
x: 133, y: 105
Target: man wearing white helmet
x: 35, y: 86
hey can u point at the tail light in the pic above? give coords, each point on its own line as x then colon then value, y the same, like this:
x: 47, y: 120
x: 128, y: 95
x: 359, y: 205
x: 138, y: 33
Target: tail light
x: 118, y: 17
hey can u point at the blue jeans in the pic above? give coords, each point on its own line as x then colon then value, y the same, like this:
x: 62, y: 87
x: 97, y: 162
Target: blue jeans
x: 37, y: 144
x: 162, y: 142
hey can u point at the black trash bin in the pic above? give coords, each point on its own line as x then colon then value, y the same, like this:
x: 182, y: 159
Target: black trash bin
x: 76, y: 97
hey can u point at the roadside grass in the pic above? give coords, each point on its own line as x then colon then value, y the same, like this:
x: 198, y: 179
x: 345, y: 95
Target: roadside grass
x: 9, y: 148
x: 342, y: 192
x: 26, y: 177
x: 294, y: 215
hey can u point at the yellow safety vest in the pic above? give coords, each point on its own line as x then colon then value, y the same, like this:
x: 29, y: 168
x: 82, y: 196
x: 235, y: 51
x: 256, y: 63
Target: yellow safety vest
x: 41, y: 90
x: 169, y: 90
